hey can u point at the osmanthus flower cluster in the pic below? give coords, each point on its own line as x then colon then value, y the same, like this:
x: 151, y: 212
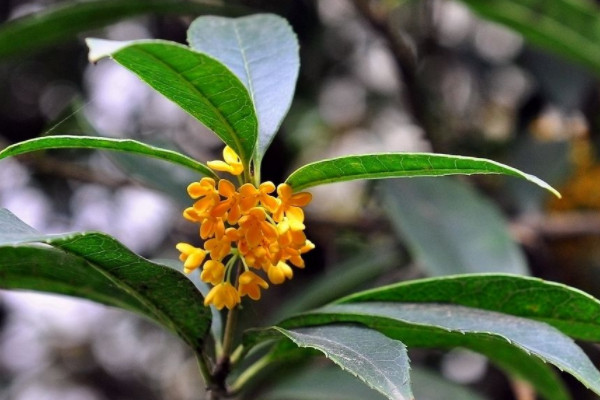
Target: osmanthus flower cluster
x: 248, y: 234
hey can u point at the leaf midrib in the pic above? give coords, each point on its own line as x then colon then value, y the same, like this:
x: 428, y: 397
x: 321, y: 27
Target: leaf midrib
x: 222, y: 118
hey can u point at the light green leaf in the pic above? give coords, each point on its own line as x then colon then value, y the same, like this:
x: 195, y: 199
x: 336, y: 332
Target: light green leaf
x: 380, y: 362
x: 435, y: 218
x: 64, y: 21
x: 349, y: 276
x: 397, y: 165
x: 570, y: 28
x: 199, y: 84
x: 516, y: 344
x: 95, y: 266
x: 262, y: 50
x: 325, y: 382
x: 570, y: 310
x: 103, y: 143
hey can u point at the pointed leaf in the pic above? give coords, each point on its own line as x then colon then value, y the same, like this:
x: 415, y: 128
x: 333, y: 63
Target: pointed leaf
x: 397, y: 165
x: 262, y: 50
x: 570, y: 28
x: 570, y: 310
x: 380, y: 362
x: 325, y: 382
x: 348, y: 275
x: 103, y: 143
x: 505, y: 339
x: 435, y: 216
x: 65, y: 21
x: 199, y: 84
x: 95, y: 266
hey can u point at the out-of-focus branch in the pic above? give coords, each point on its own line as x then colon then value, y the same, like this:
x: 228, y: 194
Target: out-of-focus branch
x: 405, y: 57
x: 556, y: 226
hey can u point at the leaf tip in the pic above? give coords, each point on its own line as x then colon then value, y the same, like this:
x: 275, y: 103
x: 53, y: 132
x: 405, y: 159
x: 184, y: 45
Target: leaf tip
x: 102, y: 48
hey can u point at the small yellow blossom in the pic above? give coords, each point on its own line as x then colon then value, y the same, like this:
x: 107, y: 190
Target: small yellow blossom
x: 232, y: 163
x: 222, y: 295
x: 249, y: 284
x: 250, y: 196
x: 213, y: 272
x: 191, y: 256
x: 247, y: 232
x: 289, y: 206
x: 279, y: 273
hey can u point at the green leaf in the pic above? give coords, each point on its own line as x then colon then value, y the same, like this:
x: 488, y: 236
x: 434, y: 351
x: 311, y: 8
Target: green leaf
x: 325, y: 382
x: 570, y: 310
x: 397, y: 165
x: 516, y: 344
x: 95, y: 266
x: 570, y: 28
x: 65, y: 21
x: 262, y: 50
x: 435, y: 216
x: 103, y: 143
x: 380, y: 362
x: 348, y: 275
x: 199, y: 84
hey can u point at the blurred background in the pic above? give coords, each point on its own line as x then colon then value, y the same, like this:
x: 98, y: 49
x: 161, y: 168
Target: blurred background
x: 387, y: 75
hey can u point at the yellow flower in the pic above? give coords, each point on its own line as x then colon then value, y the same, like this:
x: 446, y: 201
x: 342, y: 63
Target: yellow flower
x: 230, y: 205
x: 250, y: 196
x: 247, y: 224
x: 255, y: 227
x: 278, y: 273
x: 289, y: 206
x: 222, y: 295
x: 207, y: 195
x: 213, y: 272
x: 191, y: 256
x: 248, y: 284
x: 232, y: 163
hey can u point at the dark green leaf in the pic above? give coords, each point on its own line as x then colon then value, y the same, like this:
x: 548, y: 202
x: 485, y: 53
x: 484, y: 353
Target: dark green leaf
x: 570, y: 28
x: 262, y: 50
x: 570, y: 310
x: 90, y: 142
x: 97, y: 267
x: 516, y: 344
x: 199, y: 84
x: 397, y: 165
x: 65, y: 21
x: 380, y: 362
x: 435, y: 216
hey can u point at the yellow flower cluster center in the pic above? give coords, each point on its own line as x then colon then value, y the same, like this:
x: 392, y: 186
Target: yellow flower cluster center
x: 246, y: 224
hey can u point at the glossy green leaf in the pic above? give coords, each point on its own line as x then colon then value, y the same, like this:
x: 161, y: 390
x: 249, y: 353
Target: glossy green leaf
x: 262, y: 50
x: 64, y: 21
x: 570, y: 310
x: 199, y: 84
x: 518, y: 345
x: 95, y: 266
x: 435, y: 218
x: 324, y: 382
x: 397, y: 165
x: 103, y: 143
x: 570, y: 28
x: 380, y: 362
x: 348, y: 276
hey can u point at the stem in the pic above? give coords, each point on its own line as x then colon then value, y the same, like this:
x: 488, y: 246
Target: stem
x: 205, y: 368
x: 229, y: 333
x: 250, y: 372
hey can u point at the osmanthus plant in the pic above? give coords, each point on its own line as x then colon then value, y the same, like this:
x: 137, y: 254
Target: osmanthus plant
x: 237, y: 77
